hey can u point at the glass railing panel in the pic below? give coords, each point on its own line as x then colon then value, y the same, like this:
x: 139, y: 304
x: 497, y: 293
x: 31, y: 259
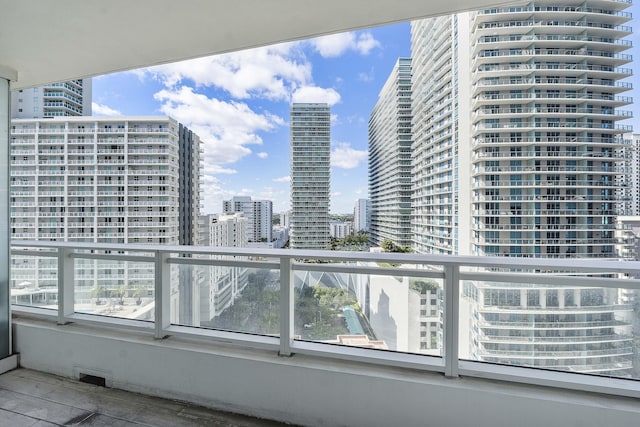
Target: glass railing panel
x: 227, y: 297
x: 577, y: 327
x: 34, y: 279
x: 115, y: 288
x: 401, y: 312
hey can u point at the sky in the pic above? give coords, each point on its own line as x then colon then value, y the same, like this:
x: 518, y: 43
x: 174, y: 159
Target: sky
x: 239, y: 103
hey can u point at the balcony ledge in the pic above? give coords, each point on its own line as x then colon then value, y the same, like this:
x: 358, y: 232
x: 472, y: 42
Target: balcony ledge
x: 303, y: 389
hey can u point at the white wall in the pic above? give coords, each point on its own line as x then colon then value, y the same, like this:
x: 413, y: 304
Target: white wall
x: 304, y: 389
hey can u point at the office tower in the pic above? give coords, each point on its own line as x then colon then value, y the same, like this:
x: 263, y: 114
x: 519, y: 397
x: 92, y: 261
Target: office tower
x: 361, y: 215
x: 71, y: 98
x: 259, y: 215
x: 220, y: 285
x: 544, y: 143
x: 310, y: 175
x: 390, y: 159
x: 101, y: 179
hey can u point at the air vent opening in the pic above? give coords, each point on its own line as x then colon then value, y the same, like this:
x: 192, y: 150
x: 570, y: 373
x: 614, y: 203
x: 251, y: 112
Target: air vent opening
x: 92, y: 379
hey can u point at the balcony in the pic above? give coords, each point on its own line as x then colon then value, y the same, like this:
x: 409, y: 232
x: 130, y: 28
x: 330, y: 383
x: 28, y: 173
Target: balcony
x: 73, y: 329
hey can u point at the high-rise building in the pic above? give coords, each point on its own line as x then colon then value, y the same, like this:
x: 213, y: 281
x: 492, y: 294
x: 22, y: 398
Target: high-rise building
x: 259, y: 215
x: 71, y: 98
x: 310, y: 175
x: 390, y: 159
x: 106, y: 180
x: 220, y: 285
x: 515, y: 135
x: 441, y: 147
x: 361, y: 215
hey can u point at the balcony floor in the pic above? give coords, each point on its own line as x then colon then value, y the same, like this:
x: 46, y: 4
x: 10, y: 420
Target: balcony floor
x: 34, y: 399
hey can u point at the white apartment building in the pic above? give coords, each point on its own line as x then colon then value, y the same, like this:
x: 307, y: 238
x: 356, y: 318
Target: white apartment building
x: 390, y: 159
x: 339, y: 229
x: 515, y: 136
x: 362, y: 215
x: 106, y: 180
x: 220, y: 286
x: 70, y: 98
x: 259, y: 215
x: 441, y: 135
x: 310, y: 175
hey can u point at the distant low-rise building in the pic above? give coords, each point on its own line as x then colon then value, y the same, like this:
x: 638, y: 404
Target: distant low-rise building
x: 339, y: 230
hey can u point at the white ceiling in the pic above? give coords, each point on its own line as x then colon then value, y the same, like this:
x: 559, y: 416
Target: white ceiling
x: 46, y: 41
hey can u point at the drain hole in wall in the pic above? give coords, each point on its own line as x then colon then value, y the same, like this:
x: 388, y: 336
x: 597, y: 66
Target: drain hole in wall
x: 92, y: 379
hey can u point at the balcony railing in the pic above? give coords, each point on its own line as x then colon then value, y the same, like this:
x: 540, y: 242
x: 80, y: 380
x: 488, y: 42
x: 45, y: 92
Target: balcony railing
x: 348, y: 305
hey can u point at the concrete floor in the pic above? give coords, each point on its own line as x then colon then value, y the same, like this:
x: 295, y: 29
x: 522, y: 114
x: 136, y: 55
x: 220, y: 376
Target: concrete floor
x: 34, y: 399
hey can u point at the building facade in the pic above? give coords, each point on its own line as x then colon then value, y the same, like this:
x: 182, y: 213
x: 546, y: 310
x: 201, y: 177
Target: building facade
x: 259, y: 215
x: 310, y: 175
x: 390, y: 159
x: 631, y: 195
x: 71, y: 98
x: 220, y: 286
x: 103, y: 180
x: 339, y: 229
x: 544, y: 149
x: 517, y: 152
x: 362, y: 215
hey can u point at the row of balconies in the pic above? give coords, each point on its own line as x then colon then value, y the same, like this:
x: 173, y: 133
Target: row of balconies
x: 545, y: 212
x: 564, y: 109
x: 547, y: 183
x: 478, y: 126
x: 615, y: 30
x: 602, y: 169
x: 485, y: 97
x: 542, y: 227
x: 575, y: 243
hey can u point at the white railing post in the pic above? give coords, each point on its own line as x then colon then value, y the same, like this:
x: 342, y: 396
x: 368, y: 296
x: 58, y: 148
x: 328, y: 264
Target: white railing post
x: 286, y: 306
x: 451, y: 319
x: 66, y: 297
x: 162, y: 294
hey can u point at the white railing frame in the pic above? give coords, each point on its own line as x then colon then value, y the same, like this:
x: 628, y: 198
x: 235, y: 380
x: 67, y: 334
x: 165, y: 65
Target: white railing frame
x: 450, y: 269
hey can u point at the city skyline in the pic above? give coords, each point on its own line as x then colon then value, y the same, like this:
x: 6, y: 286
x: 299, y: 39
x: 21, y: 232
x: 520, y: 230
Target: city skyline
x: 239, y: 104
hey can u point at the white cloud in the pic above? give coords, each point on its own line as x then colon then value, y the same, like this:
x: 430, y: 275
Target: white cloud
x: 316, y: 94
x: 271, y: 72
x: 262, y: 155
x: 336, y: 194
x: 345, y: 157
x: 366, y: 77
x: 218, y: 170
x: 282, y: 179
x: 226, y: 128
x: 366, y: 43
x: 337, y: 44
x: 103, y: 110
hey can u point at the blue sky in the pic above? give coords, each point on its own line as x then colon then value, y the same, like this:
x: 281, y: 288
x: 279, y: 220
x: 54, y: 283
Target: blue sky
x: 239, y: 105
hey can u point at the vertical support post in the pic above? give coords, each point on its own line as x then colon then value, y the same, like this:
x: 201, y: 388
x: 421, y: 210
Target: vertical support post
x: 66, y: 285
x: 286, y: 306
x: 5, y: 249
x: 162, y: 294
x: 451, y: 319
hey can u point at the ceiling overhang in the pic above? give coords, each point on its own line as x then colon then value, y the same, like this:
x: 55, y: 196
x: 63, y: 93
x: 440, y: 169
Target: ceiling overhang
x: 45, y: 41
